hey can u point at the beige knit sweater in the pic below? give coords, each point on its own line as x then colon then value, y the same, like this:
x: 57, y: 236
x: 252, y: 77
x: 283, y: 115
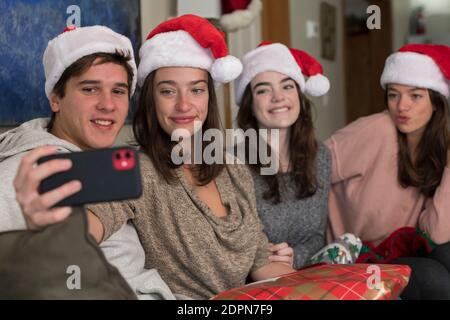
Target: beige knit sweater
x: 196, y: 253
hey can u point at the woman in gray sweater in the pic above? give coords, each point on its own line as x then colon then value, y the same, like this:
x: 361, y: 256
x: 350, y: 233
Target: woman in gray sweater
x: 292, y: 200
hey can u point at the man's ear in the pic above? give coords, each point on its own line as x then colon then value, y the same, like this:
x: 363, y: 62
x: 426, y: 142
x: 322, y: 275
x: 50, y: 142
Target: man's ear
x: 55, y: 102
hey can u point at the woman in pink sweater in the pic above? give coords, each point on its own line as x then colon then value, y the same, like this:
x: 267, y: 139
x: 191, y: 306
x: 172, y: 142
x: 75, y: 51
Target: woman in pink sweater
x: 392, y: 169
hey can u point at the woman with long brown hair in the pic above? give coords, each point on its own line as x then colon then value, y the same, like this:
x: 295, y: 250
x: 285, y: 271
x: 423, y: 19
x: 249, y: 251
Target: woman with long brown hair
x: 197, y: 222
x: 391, y: 170
x: 292, y: 200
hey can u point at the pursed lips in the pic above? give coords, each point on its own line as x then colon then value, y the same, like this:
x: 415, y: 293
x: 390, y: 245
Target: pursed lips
x: 403, y: 118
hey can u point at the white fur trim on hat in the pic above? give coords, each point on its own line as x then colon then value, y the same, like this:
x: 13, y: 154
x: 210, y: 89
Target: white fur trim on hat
x: 179, y: 49
x: 241, y: 18
x: 317, y: 85
x: 272, y: 57
x: 414, y: 69
x: 70, y: 46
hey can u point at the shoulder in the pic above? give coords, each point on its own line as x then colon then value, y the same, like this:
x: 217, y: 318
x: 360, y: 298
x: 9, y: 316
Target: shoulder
x: 380, y: 123
x: 8, y: 171
x: 323, y: 156
x: 365, y: 132
x: 323, y: 160
x: 9, y: 164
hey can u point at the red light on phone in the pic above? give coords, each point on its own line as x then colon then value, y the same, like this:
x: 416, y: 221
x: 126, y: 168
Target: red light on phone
x: 123, y: 159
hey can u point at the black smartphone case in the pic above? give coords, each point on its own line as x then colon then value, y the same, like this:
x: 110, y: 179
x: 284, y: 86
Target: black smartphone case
x: 106, y: 175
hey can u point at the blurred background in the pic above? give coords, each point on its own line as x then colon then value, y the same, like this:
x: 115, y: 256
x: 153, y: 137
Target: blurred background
x: 334, y: 31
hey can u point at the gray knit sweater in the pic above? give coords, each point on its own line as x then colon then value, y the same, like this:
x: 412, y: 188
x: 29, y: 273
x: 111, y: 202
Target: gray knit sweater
x: 300, y: 223
x: 196, y: 253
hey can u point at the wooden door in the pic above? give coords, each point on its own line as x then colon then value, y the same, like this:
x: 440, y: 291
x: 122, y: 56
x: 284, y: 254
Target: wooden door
x: 365, y: 52
x: 275, y: 22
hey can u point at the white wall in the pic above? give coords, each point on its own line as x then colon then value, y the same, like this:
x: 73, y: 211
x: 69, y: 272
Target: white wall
x: 401, y: 10
x: 153, y: 12
x: 330, y: 110
x: 433, y: 7
x: 239, y: 43
x: 437, y: 14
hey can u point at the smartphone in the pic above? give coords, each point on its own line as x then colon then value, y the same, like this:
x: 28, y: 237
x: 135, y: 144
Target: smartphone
x: 106, y: 175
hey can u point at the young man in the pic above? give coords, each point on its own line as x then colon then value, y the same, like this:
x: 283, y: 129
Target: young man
x: 90, y: 76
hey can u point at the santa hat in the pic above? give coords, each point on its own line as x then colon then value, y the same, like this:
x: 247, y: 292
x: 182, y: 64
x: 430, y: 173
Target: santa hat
x: 188, y: 41
x: 419, y: 65
x: 291, y: 62
x: 75, y: 43
x: 239, y: 13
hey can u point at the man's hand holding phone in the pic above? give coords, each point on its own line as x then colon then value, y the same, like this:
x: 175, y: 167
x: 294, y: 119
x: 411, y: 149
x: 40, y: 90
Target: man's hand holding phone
x: 38, y: 208
x: 48, y: 183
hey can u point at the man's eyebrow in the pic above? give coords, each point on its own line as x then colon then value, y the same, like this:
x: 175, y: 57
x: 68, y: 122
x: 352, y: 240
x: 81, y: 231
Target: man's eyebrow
x: 122, y: 84
x: 83, y: 82
x: 86, y: 82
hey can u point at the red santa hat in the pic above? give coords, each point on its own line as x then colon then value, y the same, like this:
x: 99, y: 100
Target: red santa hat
x: 419, y: 65
x: 291, y: 62
x: 75, y: 43
x: 188, y: 41
x: 239, y: 13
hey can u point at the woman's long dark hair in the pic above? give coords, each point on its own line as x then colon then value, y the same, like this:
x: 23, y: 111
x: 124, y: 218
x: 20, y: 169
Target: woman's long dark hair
x: 425, y: 171
x: 157, y: 144
x: 302, y: 148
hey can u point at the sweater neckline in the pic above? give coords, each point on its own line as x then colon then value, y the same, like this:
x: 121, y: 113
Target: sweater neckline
x: 224, y: 187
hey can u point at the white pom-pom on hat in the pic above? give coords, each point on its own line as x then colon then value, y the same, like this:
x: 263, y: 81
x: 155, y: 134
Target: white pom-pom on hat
x: 226, y: 69
x: 317, y: 85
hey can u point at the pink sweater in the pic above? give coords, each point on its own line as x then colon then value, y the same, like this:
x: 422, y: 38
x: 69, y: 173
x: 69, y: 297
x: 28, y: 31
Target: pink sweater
x: 366, y: 198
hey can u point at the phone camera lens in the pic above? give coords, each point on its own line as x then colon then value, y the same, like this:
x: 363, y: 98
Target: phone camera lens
x: 127, y: 155
x: 118, y: 157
